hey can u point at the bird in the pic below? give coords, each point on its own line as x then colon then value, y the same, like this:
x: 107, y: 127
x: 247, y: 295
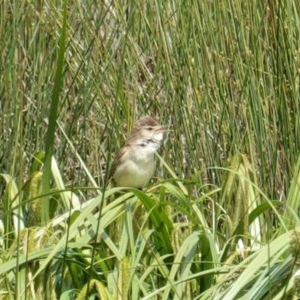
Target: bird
x: 135, y: 163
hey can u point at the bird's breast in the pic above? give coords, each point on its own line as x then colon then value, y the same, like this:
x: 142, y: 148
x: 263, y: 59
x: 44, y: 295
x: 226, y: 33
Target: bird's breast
x: 135, y: 172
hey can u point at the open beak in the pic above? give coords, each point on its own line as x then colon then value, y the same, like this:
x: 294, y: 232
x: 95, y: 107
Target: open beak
x: 163, y: 128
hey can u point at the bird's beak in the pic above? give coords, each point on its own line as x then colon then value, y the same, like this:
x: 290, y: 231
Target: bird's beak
x: 163, y: 128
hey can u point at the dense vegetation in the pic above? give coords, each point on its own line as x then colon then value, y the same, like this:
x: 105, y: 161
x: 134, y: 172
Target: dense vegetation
x: 220, y: 219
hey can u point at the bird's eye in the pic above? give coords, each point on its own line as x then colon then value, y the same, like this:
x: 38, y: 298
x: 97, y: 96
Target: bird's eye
x: 143, y: 144
x: 150, y: 128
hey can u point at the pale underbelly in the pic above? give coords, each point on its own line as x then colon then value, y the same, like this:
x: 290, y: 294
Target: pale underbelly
x: 133, y: 175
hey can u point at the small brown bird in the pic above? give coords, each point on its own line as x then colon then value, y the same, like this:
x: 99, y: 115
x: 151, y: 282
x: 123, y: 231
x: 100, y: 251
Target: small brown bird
x: 135, y: 163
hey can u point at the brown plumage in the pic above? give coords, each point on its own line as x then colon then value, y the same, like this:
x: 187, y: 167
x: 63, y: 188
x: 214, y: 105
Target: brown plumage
x: 134, y: 164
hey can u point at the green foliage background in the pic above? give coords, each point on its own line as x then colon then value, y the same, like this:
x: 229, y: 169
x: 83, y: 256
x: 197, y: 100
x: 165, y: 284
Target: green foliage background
x: 224, y: 74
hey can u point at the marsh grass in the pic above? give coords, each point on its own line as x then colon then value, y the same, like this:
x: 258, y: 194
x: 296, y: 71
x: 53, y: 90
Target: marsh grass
x: 220, y: 219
